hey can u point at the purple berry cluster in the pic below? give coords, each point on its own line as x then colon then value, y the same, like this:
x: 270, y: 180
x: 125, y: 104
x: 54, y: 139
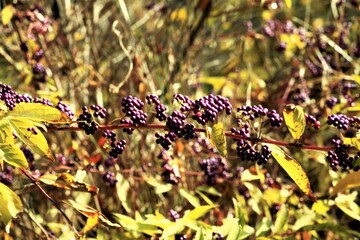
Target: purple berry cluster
x: 255, y: 111
x: 185, y: 102
x: 203, y: 145
x: 132, y: 107
x: 118, y: 147
x: 213, y: 168
x: 29, y: 157
x: 343, y: 122
x: 169, y: 174
x: 64, y: 108
x: 207, y: 108
x: 39, y: 72
x: 86, y: 122
x: 110, y: 178
x: 247, y: 152
x: 160, y: 108
x: 311, y: 121
x: 341, y: 157
x: 6, y: 176
x: 331, y: 102
x: 10, y: 97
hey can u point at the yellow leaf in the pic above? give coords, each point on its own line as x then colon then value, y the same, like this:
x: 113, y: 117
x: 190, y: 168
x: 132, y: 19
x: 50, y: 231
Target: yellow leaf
x: 91, y: 222
x: 351, y: 180
x: 354, y: 142
x: 320, y: 207
x: 10, y: 204
x: 295, y: 120
x: 293, y: 168
x: 288, y: 3
x: 217, y: 138
x: 179, y: 15
x: 356, y: 78
x: 7, y: 13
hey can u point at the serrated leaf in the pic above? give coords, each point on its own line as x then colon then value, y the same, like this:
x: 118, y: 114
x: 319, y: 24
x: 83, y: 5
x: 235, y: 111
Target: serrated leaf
x: 39, y: 112
x: 218, y: 138
x: 191, y: 198
x: 36, y: 142
x: 354, y: 142
x: 10, y: 204
x: 199, y: 212
x: 282, y: 217
x: 295, y: 120
x: 351, y: 180
x: 13, y: 155
x: 67, y: 181
x: 293, y: 169
x: 7, y: 13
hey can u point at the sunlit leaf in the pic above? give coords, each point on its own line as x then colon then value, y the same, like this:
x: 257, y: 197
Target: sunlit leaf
x: 295, y: 120
x: 191, y: 198
x: 293, y: 169
x: 354, y: 142
x: 91, y: 222
x: 217, y: 138
x: 305, y: 219
x: 288, y: 3
x: 347, y: 204
x: 39, y: 112
x: 13, y: 155
x: 67, y: 181
x: 10, y: 204
x: 235, y: 230
x: 320, y: 207
x: 199, y: 235
x: 122, y: 189
x: 5, y: 132
x: 264, y: 227
x: 36, y: 142
x: 159, y: 187
x: 337, y: 228
x: 209, y: 189
x: 7, y: 13
x: 199, y: 212
x: 282, y: 217
x: 179, y: 15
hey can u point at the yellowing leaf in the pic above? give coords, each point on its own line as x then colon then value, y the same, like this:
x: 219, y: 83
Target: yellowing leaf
x: 354, y: 142
x: 39, y: 112
x: 282, y: 217
x: 13, y: 155
x: 295, y: 120
x: 320, y: 207
x: 356, y: 78
x: 288, y: 3
x: 191, y: 198
x: 293, y: 169
x: 5, y: 132
x: 10, y: 204
x: 36, y: 142
x: 179, y: 15
x: 347, y: 204
x: 217, y: 138
x: 7, y: 13
x: 351, y: 180
x: 199, y: 212
x: 91, y: 222
x: 67, y: 181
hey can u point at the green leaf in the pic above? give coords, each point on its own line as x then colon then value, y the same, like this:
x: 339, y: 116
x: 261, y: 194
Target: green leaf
x: 173, y: 229
x: 337, y: 228
x: 306, y: 219
x: 13, y: 155
x: 199, y: 235
x: 295, y: 120
x: 209, y: 189
x: 238, y: 212
x: 205, y: 198
x: 191, y: 198
x: 36, y: 142
x: 126, y: 222
x: 246, y: 232
x: 199, y: 212
x: 264, y: 227
x: 39, y: 112
x: 235, y: 231
x: 282, y: 217
x: 293, y: 169
x: 159, y: 187
x: 217, y: 138
x: 347, y: 204
x: 122, y: 189
x: 10, y: 204
x: 351, y: 180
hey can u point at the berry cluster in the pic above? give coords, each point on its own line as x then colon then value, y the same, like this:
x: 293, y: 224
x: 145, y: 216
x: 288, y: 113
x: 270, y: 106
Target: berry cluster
x: 110, y: 179
x: 6, y: 176
x: 29, y: 157
x: 98, y: 111
x: 202, y: 145
x: 207, y: 108
x: 247, y: 152
x: 341, y: 121
x: 245, y: 113
x: 311, y: 121
x: 132, y: 107
x: 174, y: 215
x: 128, y: 130
x: 32, y: 130
x: 169, y: 174
x: 185, y: 102
x: 117, y: 148
x: 213, y: 168
x: 160, y: 108
x: 331, y: 102
x: 86, y: 122
x: 340, y: 157
x: 64, y: 108
x: 39, y: 72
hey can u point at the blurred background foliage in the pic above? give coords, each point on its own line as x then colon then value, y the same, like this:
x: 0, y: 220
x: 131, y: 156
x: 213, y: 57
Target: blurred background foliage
x: 270, y: 52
